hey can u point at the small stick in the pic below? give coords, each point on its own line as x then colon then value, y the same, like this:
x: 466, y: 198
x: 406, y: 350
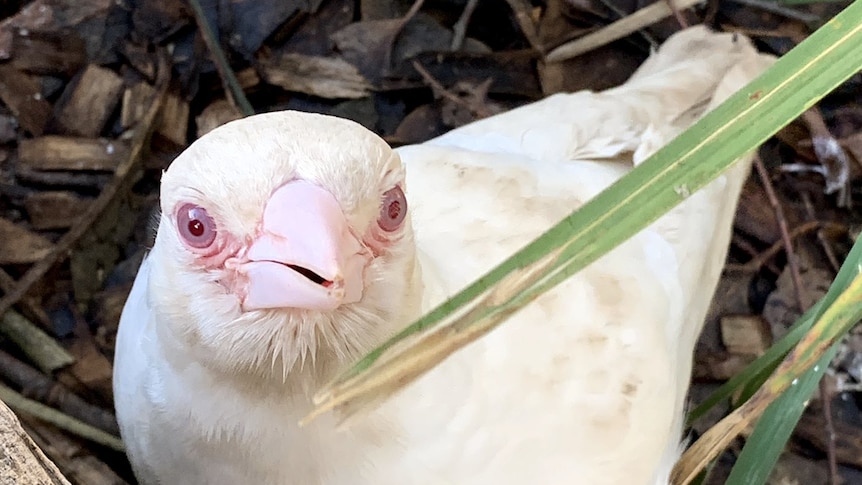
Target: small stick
x: 229, y: 80
x: 48, y: 414
x: 617, y: 30
x: 827, y: 248
x: 825, y: 393
x: 797, y: 285
x: 521, y: 9
x: 782, y: 228
x: 620, y: 13
x: 459, y: 30
x: 30, y: 309
x: 440, y: 90
x: 760, y: 259
x: 39, y: 347
x: 36, y: 385
x: 677, y: 14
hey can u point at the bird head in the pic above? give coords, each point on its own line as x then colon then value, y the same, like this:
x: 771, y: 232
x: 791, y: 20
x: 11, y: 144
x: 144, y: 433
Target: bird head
x: 284, y: 237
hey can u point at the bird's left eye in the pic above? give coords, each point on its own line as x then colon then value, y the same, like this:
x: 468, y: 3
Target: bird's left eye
x: 195, y: 226
x: 394, y: 209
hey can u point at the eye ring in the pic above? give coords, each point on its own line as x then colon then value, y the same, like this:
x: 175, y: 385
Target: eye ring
x: 393, y: 210
x: 195, y: 226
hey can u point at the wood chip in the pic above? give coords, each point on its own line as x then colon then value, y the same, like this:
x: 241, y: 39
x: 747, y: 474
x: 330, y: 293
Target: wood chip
x: 23, y: 95
x: 49, y: 16
x: 327, y: 77
x: 88, y: 102
x: 135, y: 103
x: 68, y: 153
x: 141, y: 59
x: 54, y: 209
x: 21, y: 246
x: 215, y: 115
x: 23, y: 462
x: 50, y: 53
x: 745, y: 334
x: 174, y: 121
x: 83, y: 180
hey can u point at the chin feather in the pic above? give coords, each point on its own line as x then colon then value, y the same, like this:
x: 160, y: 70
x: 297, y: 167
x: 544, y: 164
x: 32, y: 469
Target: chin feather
x: 280, y: 345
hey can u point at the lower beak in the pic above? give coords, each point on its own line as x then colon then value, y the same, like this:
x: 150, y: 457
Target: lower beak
x: 306, y: 256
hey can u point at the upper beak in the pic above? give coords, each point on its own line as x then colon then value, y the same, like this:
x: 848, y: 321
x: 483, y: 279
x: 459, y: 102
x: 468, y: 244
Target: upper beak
x: 306, y: 256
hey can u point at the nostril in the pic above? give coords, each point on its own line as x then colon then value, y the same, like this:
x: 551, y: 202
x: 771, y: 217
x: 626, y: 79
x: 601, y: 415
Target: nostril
x: 311, y: 275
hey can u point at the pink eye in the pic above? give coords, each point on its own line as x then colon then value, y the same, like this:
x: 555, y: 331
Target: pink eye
x: 195, y: 226
x: 394, y: 209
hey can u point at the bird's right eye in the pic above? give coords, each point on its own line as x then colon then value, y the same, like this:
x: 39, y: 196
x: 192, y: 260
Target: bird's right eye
x: 196, y: 227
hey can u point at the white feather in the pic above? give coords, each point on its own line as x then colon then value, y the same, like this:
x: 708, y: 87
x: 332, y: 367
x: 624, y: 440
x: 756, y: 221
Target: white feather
x: 586, y: 385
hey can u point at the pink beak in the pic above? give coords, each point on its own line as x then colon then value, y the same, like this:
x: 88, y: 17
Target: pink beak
x: 306, y: 256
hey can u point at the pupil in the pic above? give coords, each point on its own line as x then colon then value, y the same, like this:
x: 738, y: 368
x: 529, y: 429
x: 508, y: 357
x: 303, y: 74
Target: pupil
x: 394, y: 210
x: 196, y: 228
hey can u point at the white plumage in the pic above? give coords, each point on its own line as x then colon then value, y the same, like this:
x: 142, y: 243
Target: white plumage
x: 242, y: 311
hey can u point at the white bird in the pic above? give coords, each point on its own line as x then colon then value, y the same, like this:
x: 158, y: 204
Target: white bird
x: 291, y: 243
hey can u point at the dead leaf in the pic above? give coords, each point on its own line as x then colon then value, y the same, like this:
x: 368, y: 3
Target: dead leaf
x: 421, y: 124
x: 376, y: 46
x: 23, y: 95
x: 88, y: 102
x: 71, y: 153
x: 252, y: 21
x: 751, y: 218
x: 327, y: 77
x: 54, y: 209
x: 312, y: 36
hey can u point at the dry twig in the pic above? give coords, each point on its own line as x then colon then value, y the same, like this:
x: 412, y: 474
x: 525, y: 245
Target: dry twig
x: 50, y: 415
x: 615, y: 31
x: 521, y: 9
x: 479, y: 110
x: 459, y: 30
x: 39, y: 347
x: 231, y: 84
x: 680, y: 19
x: 793, y: 263
x: 36, y: 385
x: 762, y: 258
x: 120, y: 180
x: 826, y: 393
x: 30, y: 309
x: 824, y: 242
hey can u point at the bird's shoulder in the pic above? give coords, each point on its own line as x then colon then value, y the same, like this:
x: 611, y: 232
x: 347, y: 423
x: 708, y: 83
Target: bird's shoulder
x: 561, y: 363
x: 484, y: 206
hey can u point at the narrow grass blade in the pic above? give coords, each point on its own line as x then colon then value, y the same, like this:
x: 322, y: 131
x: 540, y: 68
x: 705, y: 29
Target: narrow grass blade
x: 763, y: 447
x: 692, y: 160
x: 838, y: 312
x: 756, y: 373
